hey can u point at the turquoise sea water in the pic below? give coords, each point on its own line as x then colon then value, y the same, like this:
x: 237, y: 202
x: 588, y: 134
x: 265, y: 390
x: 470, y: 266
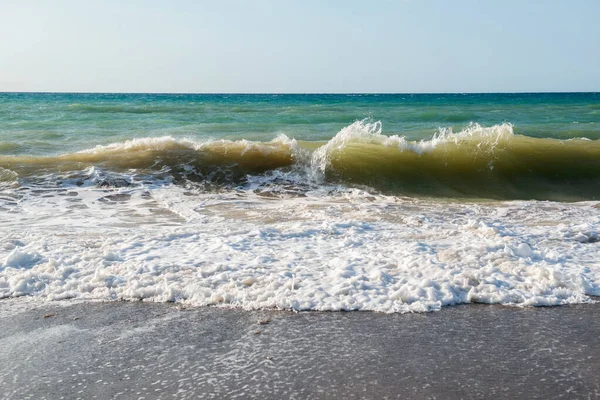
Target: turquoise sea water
x: 54, y: 123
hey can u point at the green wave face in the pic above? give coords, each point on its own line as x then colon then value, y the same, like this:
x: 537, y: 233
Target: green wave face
x: 514, y: 168
x: 477, y: 162
x: 222, y: 161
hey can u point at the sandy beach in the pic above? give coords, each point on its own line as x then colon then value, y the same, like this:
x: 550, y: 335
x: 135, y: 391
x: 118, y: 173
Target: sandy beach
x: 145, y: 350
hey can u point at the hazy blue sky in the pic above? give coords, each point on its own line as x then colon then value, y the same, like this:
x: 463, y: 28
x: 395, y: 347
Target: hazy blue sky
x: 300, y: 46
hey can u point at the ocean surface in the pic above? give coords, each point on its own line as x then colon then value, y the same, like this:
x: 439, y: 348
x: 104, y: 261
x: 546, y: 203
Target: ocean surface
x: 392, y: 203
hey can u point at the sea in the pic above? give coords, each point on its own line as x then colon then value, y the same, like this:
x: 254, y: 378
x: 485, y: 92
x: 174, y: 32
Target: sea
x: 332, y: 202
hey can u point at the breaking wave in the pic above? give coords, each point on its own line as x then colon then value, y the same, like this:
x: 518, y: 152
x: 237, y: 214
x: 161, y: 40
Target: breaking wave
x: 476, y: 162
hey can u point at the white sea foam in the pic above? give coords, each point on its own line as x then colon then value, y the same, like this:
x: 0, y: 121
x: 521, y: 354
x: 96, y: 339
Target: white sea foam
x: 350, y: 250
x: 166, y: 142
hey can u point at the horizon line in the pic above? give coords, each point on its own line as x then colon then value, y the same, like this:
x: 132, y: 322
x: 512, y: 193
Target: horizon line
x: 296, y: 93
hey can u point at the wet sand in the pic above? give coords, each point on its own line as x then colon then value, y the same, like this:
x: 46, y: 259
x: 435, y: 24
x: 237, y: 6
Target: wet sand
x: 135, y: 350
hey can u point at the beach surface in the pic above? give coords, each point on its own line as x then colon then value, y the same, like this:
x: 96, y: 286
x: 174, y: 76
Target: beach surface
x: 135, y: 350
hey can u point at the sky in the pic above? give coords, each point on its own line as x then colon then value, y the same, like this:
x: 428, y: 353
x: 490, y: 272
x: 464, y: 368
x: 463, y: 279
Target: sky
x: 301, y: 46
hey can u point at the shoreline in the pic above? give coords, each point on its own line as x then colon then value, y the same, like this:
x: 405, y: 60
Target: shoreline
x: 162, y: 350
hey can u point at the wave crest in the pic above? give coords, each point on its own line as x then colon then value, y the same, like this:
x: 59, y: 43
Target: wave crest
x: 370, y: 132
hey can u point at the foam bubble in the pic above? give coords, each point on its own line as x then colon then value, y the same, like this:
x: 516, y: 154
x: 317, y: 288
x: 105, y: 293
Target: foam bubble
x: 346, y: 250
